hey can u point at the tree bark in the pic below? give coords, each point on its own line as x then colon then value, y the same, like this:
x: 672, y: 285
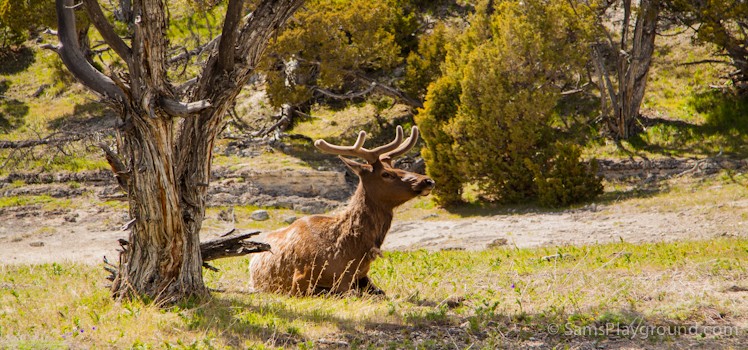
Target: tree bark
x: 165, y: 164
x: 635, y: 77
x: 632, y: 62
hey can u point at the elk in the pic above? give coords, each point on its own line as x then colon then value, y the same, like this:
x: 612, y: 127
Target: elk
x: 332, y: 254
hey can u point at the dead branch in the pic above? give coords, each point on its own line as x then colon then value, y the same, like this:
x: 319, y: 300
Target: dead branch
x: 229, y: 246
x: 693, y: 63
x: 118, y: 167
x: 223, y: 247
x: 33, y: 143
x: 194, y: 52
x: 347, y: 96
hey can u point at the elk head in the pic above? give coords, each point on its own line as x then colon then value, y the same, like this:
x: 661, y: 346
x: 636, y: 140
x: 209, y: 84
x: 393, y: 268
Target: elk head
x: 383, y: 183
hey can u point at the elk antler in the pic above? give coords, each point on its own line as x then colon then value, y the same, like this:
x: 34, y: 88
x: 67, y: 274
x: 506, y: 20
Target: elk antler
x: 404, y: 147
x: 391, y: 150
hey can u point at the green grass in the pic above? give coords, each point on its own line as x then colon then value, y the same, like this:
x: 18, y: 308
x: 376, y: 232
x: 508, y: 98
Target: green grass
x: 686, y: 117
x: 345, y: 123
x: 495, y: 296
x: 45, y: 201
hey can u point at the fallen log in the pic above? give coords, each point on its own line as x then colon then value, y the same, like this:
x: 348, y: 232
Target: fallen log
x: 226, y: 246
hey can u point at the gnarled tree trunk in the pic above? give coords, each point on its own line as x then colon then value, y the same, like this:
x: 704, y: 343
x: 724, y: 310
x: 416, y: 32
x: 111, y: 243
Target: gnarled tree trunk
x: 168, y: 131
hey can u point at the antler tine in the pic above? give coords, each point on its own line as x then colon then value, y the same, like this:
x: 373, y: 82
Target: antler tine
x: 405, y: 146
x: 390, y: 146
x: 356, y: 150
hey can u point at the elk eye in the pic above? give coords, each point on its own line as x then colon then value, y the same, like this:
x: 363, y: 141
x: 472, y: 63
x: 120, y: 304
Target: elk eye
x: 386, y: 175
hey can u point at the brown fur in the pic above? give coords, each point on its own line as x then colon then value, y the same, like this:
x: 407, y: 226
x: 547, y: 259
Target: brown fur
x: 322, y: 253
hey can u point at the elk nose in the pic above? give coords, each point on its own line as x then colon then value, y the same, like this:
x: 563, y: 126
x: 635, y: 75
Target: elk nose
x: 430, y: 183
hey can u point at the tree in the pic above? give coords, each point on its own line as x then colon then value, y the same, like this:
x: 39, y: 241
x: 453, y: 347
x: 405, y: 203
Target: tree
x: 720, y: 22
x: 631, y: 58
x: 167, y: 129
x: 489, y: 119
x: 424, y: 64
x: 339, y: 50
x: 19, y: 18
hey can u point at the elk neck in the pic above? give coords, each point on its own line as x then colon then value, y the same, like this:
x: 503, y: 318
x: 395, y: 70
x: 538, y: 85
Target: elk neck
x: 364, y: 221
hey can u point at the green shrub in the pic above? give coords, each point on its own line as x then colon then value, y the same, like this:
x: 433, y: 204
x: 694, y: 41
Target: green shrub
x: 489, y: 119
x: 424, y: 65
x: 564, y: 179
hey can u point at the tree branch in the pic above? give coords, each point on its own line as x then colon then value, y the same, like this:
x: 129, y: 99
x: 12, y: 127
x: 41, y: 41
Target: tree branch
x: 182, y: 109
x: 50, y: 47
x: 34, y: 143
x: 227, y: 46
x: 75, y: 60
x: 107, y: 31
x: 118, y: 168
x: 693, y: 63
x: 348, y: 96
x: 196, y: 51
x: 150, y: 34
x: 261, y: 24
x: 225, y: 247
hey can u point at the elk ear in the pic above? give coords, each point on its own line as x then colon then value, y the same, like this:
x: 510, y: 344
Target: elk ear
x: 355, y: 166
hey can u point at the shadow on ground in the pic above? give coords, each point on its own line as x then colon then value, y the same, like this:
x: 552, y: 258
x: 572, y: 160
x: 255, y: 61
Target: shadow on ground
x: 16, y: 61
x: 725, y: 129
x: 12, y: 111
x: 236, y: 320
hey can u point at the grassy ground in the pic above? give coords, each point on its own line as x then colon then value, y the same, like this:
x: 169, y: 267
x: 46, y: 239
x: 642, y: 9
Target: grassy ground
x: 685, y: 115
x: 441, y: 299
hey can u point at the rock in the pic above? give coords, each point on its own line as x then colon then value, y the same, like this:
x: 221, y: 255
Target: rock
x: 72, y: 217
x: 37, y: 244
x: 227, y: 215
x: 498, y: 243
x: 289, y: 219
x: 260, y: 215
x: 311, y: 208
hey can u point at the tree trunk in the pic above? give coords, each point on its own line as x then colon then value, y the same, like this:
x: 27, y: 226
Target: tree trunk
x: 637, y: 66
x: 166, y: 161
x: 163, y: 259
x: 632, y: 67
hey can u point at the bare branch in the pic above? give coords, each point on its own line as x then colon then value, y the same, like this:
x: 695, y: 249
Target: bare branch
x: 39, y: 142
x: 225, y: 247
x: 227, y: 46
x: 194, y: 52
x: 261, y: 24
x: 600, y: 65
x: 150, y: 44
x: 182, y: 109
x: 75, y: 60
x: 51, y: 47
x: 571, y: 92
x: 107, y: 31
x: 390, y: 91
x: 693, y: 63
x: 182, y: 88
x: 349, y: 96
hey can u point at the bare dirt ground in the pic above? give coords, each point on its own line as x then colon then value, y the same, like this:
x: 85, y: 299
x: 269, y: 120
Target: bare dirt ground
x: 33, y: 234
x: 84, y: 232
x: 592, y: 224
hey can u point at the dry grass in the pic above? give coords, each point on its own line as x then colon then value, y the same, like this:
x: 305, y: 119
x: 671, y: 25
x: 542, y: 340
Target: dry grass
x: 482, y: 297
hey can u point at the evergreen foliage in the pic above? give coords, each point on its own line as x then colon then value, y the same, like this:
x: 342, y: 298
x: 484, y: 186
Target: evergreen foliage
x: 719, y: 22
x: 20, y: 17
x: 489, y: 119
x: 330, y: 44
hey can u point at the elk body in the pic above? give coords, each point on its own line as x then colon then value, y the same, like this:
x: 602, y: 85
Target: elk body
x: 321, y: 253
